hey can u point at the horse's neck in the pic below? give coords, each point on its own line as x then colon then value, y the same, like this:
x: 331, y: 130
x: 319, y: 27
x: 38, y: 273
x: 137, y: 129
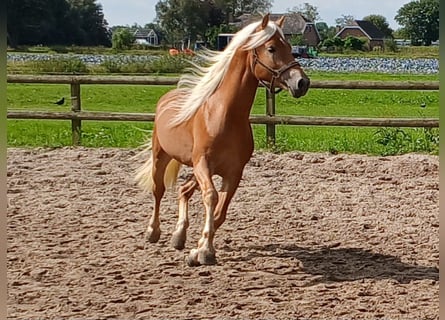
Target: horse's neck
x: 239, y: 86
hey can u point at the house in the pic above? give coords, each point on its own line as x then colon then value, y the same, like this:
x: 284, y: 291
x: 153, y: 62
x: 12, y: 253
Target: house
x: 146, y: 37
x: 363, y: 29
x: 294, y: 24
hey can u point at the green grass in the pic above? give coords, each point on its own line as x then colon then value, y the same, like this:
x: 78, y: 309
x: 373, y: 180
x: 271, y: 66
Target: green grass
x: 355, y: 103
x: 350, y: 140
x: 57, y: 133
x: 112, y: 98
x: 318, y: 102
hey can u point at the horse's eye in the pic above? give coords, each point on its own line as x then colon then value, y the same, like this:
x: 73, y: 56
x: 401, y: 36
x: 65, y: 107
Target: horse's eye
x: 271, y: 49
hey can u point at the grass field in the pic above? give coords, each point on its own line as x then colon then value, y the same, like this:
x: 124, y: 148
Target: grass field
x: 318, y: 102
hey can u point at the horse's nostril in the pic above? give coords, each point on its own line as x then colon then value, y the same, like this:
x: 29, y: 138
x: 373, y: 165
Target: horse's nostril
x: 303, y: 84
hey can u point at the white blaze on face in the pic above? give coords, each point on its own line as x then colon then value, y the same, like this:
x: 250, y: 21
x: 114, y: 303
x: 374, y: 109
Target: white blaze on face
x: 296, y: 81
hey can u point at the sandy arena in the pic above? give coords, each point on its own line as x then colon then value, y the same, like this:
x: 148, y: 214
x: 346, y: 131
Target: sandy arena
x: 307, y: 236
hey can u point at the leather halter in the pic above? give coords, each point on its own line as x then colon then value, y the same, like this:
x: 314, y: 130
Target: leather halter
x: 276, y: 73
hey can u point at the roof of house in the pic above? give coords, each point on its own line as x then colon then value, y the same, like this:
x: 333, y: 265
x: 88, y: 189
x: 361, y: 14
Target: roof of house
x: 294, y: 23
x: 368, y: 28
x: 144, y: 33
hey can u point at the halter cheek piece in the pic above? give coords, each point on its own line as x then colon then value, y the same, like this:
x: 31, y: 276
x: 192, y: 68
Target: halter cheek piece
x: 276, y: 73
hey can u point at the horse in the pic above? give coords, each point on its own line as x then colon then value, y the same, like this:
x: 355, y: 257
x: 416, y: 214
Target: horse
x: 204, y: 124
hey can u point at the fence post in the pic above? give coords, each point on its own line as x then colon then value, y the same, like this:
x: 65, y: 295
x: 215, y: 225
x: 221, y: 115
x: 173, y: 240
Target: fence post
x: 270, y: 111
x: 76, y: 124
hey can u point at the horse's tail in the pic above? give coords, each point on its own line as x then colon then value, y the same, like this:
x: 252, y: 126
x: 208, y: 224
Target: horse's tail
x: 144, y: 176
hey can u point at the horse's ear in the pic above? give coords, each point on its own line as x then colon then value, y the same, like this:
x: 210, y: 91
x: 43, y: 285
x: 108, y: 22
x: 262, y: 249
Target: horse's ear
x: 265, y: 21
x: 280, y: 22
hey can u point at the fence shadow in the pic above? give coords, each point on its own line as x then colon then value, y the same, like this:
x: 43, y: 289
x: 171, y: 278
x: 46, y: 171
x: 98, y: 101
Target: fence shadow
x: 344, y: 264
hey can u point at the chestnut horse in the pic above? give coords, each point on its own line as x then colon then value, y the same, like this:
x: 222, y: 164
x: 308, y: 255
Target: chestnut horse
x: 204, y: 123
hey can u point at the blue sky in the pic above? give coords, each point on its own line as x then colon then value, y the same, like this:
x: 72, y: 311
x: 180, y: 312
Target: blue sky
x: 118, y: 12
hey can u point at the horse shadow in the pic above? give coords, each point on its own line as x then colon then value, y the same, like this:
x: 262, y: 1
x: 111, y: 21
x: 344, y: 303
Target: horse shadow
x: 344, y: 264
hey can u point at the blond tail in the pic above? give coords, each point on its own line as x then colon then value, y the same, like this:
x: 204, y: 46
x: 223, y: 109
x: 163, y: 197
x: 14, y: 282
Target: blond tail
x: 144, y: 176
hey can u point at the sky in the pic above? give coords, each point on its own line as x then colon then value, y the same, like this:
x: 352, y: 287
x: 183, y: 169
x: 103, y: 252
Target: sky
x: 128, y: 12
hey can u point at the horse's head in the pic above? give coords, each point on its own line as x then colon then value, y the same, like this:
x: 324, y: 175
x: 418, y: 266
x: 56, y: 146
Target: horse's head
x: 274, y: 65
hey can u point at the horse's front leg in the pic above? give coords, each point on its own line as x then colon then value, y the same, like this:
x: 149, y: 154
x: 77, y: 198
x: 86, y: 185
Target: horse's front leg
x: 205, y: 253
x: 185, y: 192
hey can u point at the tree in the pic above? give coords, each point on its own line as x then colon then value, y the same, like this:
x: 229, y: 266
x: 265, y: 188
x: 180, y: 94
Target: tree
x: 335, y: 42
x: 235, y: 8
x: 92, y: 27
x: 26, y: 21
x: 169, y: 15
x: 50, y: 22
x: 354, y: 43
x: 297, y: 40
x: 122, y: 39
x: 345, y: 20
x: 380, y: 22
x: 420, y: 21
x: 324, y: 30
x: 399, y: 34
x: 308, y: 11
x: 212, y: 33
x: 193, y: 19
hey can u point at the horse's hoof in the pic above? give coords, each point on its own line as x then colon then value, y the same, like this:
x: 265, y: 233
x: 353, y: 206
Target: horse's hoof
x: 206, y: 257
x: 178, y: 240
x: 192, y: 262
x: 201, y: 257
x: 153, y: 235
x: 192, y: 259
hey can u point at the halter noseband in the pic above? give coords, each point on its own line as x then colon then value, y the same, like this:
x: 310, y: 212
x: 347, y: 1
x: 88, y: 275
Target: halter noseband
x: 276, y: 73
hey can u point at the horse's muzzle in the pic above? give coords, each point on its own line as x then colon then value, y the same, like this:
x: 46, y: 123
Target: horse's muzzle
x: 300, y: 87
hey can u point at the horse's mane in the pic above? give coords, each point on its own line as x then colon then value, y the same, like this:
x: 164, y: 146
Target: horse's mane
x: 197, y: 86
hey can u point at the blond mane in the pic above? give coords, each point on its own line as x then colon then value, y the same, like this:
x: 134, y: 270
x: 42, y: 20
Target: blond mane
x: 202, y: 82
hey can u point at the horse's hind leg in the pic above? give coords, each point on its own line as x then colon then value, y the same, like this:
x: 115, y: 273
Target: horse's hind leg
x: 185, y: 192
x: 160, y: 162
x: 228, y: 188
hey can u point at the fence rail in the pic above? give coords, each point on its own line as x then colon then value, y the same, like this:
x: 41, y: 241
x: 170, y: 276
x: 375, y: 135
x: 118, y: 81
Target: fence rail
x: 159, y: 80
x: 76, y: 115
x: 254, y: 119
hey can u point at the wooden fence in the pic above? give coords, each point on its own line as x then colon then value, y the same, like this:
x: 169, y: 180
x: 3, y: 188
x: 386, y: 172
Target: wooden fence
x: 270, y: 119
